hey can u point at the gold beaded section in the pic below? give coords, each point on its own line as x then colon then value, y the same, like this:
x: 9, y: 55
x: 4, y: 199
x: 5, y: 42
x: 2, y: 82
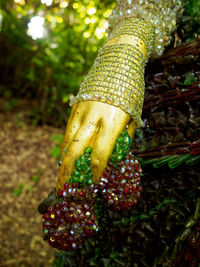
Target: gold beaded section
x: 128, y: 39
x: 137, y: 28
x: 162, y: 14
x: 117, y: 75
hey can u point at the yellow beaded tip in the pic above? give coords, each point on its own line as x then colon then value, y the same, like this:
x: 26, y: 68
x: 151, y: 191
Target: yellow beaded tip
x: 117, y: 75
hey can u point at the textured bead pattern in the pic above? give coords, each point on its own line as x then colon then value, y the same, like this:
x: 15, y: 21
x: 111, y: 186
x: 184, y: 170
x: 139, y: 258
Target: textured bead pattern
x: 121, y: 148
x: 67, y: 224
x: 162, y: 14
x: 121, y: 187
x: 117, y: 76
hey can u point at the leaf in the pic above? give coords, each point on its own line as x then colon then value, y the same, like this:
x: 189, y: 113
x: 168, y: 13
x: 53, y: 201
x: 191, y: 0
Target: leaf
x: 190, y: 79
x: 55, y: 151
x: 36, y: 177
x: 59, y: 260
x: 57, y: 137
x: 30, y: 188
x: 18, y: 190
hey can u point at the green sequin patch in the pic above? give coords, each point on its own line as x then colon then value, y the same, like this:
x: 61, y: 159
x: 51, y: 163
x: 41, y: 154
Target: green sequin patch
x: 121, y: 148
x: 82, y: 173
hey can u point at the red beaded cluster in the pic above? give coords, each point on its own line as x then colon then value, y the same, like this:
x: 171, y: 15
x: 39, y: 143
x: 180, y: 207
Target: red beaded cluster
x: 72, y: 220
x: 78, y: 193
x: 121, y: 187
x: 67, y: 224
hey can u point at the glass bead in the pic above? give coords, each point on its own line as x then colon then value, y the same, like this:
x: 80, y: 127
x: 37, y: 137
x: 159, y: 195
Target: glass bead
x: 86, y: 206
x: 75, y: 226
x: 69, y: 190
x: 81, y: 178
x: 83, y: 167
x: 76, y: 173
x: 87, y: 213
x: 45, y: 231
x: 72, y: 232
x: 122, y: 170
x: 74, y: 245
x: 52, y: 216
x: 76, y: 179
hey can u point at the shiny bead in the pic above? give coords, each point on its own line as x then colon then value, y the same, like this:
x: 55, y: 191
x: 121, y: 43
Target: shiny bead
x: 120, y: 192
x: 52, y: 239
x: 45, y: 231
x: 52, y: 216
x: 74, y: 245
x: 161, y: 14
x: 72, y: 228
x: 122, y: 170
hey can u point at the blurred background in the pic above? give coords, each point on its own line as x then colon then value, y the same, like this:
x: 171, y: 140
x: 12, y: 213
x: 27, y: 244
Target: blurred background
x: 46, y: 49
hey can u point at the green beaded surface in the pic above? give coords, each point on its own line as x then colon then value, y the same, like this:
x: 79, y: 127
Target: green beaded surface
x: 82, y: 173
x: 121, y: 148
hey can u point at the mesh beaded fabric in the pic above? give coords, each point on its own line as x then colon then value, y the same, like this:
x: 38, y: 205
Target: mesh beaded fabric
x: 138, y: 30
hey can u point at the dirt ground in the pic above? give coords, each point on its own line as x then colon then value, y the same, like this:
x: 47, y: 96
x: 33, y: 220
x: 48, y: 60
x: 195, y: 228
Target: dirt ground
x: 27, y: 173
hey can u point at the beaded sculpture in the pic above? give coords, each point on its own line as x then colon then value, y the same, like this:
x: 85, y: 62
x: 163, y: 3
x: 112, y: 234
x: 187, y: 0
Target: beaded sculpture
x: 162, y: 14
x: 138, y: 29
x: 71, y: 218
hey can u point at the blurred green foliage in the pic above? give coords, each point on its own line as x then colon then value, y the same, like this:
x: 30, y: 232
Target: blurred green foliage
x: 18, y: 190
x: 52, y: 67
x: 36, y: 177
x: 55, y: 151
x: 191, y: 19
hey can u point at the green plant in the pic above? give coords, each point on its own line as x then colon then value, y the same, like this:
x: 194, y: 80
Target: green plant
x: 18, y: 190
x: 55, y: 151
x: 36, y: 177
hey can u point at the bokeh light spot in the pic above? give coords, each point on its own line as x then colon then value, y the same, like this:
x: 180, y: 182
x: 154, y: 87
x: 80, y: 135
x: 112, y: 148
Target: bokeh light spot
x: 63, y: 4
x: 87, y: 20
x: 91, y: 11
x: 47, y: 2
x: 21, y: 2
x: 36, y: 27
x: 86, y: 34
x: 75, y: 5
x: 99, y: 32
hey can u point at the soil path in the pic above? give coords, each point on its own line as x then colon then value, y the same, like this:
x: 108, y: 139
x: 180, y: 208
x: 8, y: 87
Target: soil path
x: 24, y: 154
